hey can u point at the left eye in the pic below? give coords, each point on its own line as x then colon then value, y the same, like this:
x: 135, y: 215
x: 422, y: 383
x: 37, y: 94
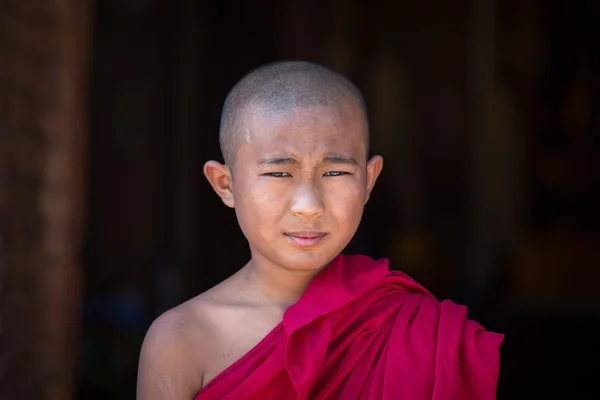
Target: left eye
x: 335, y: 173
x: 278, y: 174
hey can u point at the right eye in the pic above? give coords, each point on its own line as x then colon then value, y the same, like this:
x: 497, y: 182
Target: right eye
x: 278, y: 174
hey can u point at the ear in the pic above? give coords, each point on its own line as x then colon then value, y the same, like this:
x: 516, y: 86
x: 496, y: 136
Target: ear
x: 374, y: 167
x: 219, y: 177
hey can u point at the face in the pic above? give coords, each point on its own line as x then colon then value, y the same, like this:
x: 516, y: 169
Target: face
x: 300, y: 183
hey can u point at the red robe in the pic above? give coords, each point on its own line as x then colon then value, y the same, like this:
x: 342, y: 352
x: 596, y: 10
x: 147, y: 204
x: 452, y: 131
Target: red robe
x: 361, y: 331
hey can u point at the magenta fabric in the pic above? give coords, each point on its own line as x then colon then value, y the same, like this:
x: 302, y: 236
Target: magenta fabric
x: 363, y: 332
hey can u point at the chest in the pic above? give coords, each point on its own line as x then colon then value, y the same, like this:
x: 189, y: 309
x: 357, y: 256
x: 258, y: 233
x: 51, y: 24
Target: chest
x: 232, y: 339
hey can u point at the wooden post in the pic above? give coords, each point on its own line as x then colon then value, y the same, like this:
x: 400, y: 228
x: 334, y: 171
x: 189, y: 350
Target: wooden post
x: 495, y: 159
x: 187, y: 170
x: 481, y: 85
x: 44, y: 50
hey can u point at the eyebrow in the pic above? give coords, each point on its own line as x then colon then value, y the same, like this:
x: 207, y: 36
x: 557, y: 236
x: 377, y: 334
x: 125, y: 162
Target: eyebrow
x: 339, y: 159
x: 278, y: 160
x: 328, y: 159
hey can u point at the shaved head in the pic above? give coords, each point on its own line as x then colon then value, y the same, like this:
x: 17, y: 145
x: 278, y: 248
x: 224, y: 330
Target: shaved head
x: 279, y: 87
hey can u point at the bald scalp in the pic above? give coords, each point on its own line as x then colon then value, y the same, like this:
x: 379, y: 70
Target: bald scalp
x: 278, y: 87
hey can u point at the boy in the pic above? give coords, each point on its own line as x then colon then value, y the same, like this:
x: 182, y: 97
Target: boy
x: 300, y: 321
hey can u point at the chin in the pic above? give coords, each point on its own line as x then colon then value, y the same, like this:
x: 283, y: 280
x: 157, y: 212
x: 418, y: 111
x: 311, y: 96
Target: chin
x: 297, y: 259
x: 306, y: 260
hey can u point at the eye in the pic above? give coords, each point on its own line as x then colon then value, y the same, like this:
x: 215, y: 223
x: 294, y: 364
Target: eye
x: 278, y: 174
x: 336, y: 173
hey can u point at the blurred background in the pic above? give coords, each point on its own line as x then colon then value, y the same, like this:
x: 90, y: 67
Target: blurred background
x: 487, y: 113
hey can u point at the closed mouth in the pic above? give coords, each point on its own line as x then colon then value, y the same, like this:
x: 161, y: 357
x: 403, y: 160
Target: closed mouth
x: 306, y: 234
x: 306, y: 238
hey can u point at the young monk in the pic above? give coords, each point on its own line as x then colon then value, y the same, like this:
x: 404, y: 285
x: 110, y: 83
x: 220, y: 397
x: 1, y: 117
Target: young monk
x: 299, y: 320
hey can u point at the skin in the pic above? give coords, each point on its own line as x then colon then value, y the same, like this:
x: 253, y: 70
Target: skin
x: 299, y: 186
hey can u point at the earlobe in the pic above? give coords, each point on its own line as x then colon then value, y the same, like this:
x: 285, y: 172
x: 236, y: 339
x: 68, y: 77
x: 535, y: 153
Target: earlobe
x: 374, y: 167
x: 219, y: 177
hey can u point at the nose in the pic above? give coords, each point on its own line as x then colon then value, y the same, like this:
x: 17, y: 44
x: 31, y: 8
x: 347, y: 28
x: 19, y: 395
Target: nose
x: 307, y: 201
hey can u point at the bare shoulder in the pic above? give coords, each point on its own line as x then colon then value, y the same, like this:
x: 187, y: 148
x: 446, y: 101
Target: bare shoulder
x: 190, y: 345
x: 171, y: 358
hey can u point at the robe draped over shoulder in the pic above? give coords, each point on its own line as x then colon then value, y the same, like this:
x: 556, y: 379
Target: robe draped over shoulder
x: 361, y: 331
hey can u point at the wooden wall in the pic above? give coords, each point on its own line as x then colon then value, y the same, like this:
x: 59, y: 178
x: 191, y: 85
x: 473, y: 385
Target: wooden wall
x: 44, y: 58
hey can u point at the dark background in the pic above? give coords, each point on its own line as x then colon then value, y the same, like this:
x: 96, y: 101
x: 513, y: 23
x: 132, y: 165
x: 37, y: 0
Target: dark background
x: 486, y: 113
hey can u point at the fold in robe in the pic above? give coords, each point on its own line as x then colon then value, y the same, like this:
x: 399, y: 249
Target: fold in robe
x: 363, y: 332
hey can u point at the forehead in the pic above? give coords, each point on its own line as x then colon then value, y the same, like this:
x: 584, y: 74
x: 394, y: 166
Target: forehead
x: 305, y: 132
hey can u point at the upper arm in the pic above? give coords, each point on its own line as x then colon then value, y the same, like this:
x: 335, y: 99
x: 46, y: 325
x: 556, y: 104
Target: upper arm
x: 165, y: 370
x: 474, y: 350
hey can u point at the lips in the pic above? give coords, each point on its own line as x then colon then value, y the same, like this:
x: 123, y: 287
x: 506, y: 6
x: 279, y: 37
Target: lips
x: 306, y: 238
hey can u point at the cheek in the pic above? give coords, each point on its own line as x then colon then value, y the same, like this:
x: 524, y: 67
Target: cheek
x: 347, y: 203
x: 258, y: 203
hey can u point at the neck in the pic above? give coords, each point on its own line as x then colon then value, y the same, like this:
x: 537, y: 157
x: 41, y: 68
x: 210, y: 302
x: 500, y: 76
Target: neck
x: 274, y: 284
